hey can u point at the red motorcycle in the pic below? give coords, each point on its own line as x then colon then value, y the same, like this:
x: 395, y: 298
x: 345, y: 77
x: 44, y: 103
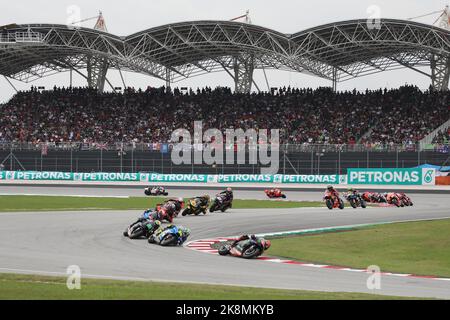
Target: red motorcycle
x: 333, y: 201
x: 275, y: 193
x: 405, y: 200
x: 373, y: 197
x: 165, y: 214
x: 393, y: 198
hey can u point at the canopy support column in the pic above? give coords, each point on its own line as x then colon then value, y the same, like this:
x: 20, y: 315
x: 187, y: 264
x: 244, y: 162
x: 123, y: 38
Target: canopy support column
x: 243, y: 72
x: 97, y: 69
x: 440, y: 72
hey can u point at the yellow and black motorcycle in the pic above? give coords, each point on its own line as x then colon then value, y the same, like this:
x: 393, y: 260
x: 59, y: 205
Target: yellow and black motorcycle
x: 197, y: 205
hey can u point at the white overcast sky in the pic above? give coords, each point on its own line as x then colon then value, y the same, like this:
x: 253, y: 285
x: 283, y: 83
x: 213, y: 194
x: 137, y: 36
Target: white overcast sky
x: 287, y: 16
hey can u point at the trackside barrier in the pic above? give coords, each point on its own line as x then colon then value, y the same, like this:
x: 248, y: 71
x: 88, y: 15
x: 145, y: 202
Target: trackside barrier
x: 354, y: 176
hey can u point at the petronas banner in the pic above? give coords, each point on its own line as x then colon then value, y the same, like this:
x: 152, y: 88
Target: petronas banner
x: 414, y: 176
x: 396, y: 176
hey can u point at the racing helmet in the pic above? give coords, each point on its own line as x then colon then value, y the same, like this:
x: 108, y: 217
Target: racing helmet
x: 330, y: 187
x: 157, y: 224
x: 180, y: 201
x: 265, y: 243
x: 229, y: 189
x: 186, y: 231
x: 207, y: 197
x: 350, y: 189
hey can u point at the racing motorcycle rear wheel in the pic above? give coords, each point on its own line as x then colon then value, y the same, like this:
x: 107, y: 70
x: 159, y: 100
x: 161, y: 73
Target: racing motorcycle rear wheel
x: 224, y: 250
x: 341, y: 204
x: 186, y: 212
x: 169, y: 240
x: 363, y: 204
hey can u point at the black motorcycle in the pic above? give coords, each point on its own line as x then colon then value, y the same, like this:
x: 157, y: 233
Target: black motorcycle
x: 157, y: 192
x: 194, y: 206
x: 246, y: 249
x: 140, y: 229
x: 221, y: 203
x: 356, y: 201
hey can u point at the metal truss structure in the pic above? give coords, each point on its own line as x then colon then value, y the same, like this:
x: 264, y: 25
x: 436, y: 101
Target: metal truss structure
x: 337, y: 51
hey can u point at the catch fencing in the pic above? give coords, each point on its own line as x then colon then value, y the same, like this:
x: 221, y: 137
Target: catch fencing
x: 146, y: 158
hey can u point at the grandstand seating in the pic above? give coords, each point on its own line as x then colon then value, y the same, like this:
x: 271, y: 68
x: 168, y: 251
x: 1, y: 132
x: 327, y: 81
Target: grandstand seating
x: 305, y: 116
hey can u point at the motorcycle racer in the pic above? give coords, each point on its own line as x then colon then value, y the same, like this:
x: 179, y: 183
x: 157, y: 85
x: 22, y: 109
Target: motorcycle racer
x: 203, y: 202
x: 228, y: 193
x: 226, y: 200
x: 274, y: 193
x: 265, y: 244
x: 392, y: 198
x: 153, y: 191
x: 331, y: 191
x: 151, y: 219
x: 170, y: 208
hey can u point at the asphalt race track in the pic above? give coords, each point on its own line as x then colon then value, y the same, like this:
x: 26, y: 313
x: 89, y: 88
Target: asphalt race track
x: 49, y: 242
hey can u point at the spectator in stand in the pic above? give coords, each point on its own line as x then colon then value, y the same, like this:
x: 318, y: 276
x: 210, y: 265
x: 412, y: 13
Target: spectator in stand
x: 443, y: 137
x: 304, y: 116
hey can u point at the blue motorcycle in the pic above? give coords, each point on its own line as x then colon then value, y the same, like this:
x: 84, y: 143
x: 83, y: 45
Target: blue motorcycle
x: 356, y: 201
x: 170, y: 236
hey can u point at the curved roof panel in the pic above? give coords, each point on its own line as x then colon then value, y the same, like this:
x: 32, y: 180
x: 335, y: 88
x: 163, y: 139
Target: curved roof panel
x: 343, y: 49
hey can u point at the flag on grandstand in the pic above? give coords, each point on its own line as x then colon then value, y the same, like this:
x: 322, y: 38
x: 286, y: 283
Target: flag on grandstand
x: 102, y: 146
x: 164, y: 148
x: 44, y: 149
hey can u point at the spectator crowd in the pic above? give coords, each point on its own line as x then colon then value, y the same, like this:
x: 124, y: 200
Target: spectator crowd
x: 304, y: 116
x: 443, y: 137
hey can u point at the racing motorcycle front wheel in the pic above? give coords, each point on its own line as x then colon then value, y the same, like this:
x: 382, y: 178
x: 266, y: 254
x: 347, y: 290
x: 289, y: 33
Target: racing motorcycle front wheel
x: 251, y: 252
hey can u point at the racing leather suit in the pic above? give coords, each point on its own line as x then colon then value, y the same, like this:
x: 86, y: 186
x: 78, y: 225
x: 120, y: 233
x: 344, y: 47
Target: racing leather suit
x: 246, y: 237
x: 202, y: 202
x: 228, y: 197
x: 333, y: 192
x: 169, y: 209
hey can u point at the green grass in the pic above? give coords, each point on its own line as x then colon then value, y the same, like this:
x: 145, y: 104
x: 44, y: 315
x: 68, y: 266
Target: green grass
x: 31, y: 287
x: 64, y: 203
x: 420, y: 248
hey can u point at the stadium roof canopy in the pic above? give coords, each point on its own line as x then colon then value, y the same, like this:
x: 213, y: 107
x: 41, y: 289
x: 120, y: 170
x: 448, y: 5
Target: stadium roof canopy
x: 336, y: 51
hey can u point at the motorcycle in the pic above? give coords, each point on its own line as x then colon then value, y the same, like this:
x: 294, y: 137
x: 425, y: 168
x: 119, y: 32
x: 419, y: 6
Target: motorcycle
x: 164, y: 215
x: 246, y: 249
x: 333, y: 201
x: 275, y: 195
x: 356, y: 201
x: 373, y: 197
x: 168, y: 237
x: 149, y: 191
x: 406, y: 201
x: 194, y: 207
x: 141, y: 229
x: 393, y: 198
x: 220, y: 203
x: 147, y: 216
